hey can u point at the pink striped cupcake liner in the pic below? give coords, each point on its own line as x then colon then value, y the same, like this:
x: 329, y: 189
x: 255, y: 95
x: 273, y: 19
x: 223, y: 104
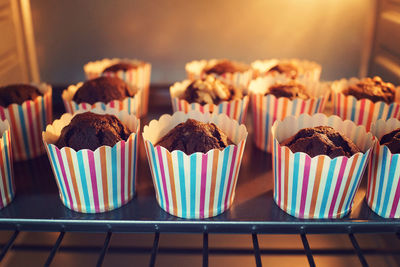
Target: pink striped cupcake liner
x: 235, y: 109
x: 129, y: 104
x: 383, y: 191
x: 139, y: 77
x: 308, y: 70
x: 197, y: 185
x: 195, y: 70
x: 318, y: 187
x: 94, y: 181
x: 7, y: 186
x: 27, y: 122
x: 268, y: 108
x: 363, y: 111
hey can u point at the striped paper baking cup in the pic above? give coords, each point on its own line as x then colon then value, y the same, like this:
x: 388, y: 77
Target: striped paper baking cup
x: 94, y: 181
x: 306, y: 69
x: 7, y: 186
x: 27, y: 122
x: 363, y: 111
x: 139, y: 77
x: 235, y: 109
x: 129, y: 104
x: 197, y: 185
x: 195, y: 70
x: 383, y: 191
x: 268, y: 108
x: 318, y: 187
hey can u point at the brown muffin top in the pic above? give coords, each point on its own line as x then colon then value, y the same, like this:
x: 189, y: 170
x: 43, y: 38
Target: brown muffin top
x: 392, y: 141
x: 124, y: 66
x: 291, y: 90
x: 287, y: 68
x: 103, y: 89
x: 90, y: 130
x: 321, y: 140
x: 373, y: 89
x: 194, y: 136
x: 226, y: 66
x: 17, y: 94
x: 210, y: 91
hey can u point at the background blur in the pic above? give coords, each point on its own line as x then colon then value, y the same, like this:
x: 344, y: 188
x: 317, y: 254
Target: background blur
x: 168, y: 34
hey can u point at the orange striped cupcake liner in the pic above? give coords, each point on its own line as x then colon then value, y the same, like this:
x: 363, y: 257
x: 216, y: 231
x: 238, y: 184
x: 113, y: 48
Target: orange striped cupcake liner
x: 94, y: 181
x: 235, y: 109
x: 27, y: 122
x: 200, y: 185
x: 138, y: 77
x: 363, y: 111
x: 129, y: 104
x: 318, y: 187
x: 195, y: 70
x: 268, y: 108
x: 7, y: 186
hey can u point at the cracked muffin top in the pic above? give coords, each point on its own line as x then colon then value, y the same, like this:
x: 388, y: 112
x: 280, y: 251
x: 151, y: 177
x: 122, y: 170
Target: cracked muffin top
x: 392, y: 141
x: 17, y: 94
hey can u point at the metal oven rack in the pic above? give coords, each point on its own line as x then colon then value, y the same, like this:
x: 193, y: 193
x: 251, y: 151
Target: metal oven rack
x: 37, y: 207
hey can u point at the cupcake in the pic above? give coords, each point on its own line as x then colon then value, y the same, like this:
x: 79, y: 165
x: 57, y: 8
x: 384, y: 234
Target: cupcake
x: 102, y: 92
x: 234, y: 73
x: 291, y: 68
x: 7, y: 186
x: 383, y: 192
x: 365, y: 101
x: 194, y: 160
x: 318, y: 164
x: 28, y: 109
x: 94, y: 156
x: 274, y: 98
x: 135, y: 72
x: 209, y: 95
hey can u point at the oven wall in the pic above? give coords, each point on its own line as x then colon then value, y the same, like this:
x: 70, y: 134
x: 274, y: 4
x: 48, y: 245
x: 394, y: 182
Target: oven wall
x: 171, y: 33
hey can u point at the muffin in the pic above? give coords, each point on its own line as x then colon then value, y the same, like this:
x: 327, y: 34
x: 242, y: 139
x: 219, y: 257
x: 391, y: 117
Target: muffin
x: 94, y: 157
x: 383, y: 191
x: 365, y: 101
x: 194, y: 136
x: 233, y: 73
x: 103, y: 89
x: 180, y: 179
x: 90, y: 130
x: 17, y: 94
x: 290, y: 68
x: 309, y: 183
x: 102, y: 92
x: 209, y: 94
x: 274, y: 98
x: 134, y: 72
x: 28, y: 109
x: 321, y: 140
x: 7, y: 185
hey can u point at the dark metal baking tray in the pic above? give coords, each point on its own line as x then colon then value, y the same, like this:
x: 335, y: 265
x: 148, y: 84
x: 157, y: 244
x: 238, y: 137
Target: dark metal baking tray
x: 37, y: 206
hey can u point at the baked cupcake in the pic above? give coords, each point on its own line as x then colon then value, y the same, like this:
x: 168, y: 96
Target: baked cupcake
x: 383, y: 192
x: 102, y: 92
x: 135, y: 72
x: 317, y: 170
x: 28, y: 109
x: 7, y: 186
x: 94, y: 157
x: 234, y: 73
x: 209, y: 95
x: 365, y: 101
x: 274, y: 98
x: 194, y: 160
x: 291, y: 68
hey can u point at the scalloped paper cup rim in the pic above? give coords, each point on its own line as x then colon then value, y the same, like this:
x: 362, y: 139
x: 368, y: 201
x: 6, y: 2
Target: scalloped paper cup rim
x: 382, y: 127
x: 156, y: 129
x: 282, y: 130
x: 197, y: 66
x: 178, y: 88
x: 98, y: 66
x: 53, y: 131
